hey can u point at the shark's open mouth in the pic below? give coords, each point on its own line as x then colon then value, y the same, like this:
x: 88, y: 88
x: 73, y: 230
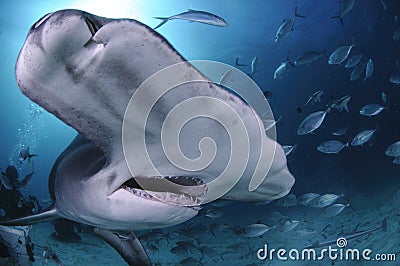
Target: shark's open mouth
x: 175, y: 190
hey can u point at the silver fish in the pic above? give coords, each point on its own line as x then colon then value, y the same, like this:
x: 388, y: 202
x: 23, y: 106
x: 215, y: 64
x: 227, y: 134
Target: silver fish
x: 393, y: 149
x: 341, y: 104
x: 334, y: 209
x: 316, y: 97
x: 253, y: 66
x: 358, y: 70
x: 220, y: 203
x: 217, y: 227
x: 269, y: 123
x: 384, y: 5
x: 325, y: 200
x: 345, y: 7
x: 371, y: 109
x: 340, y: 54
x: 340, y: 131
x: 384, y: 97
x: 308, y: 57
x: 352, y: 235
x: 179, y: 250
x: 363, y: 136
x: 369, y: 69
x: 287, y: 201
x: 190, y: 262
x: 25, y: 154
x: 48, y: 253
x: 283, y: 68
x: 288, y: 225
x: 276, y: 216
x: 396, y: 35
x: 286, y: 27
x: 395, y: 78
x: 214, y: 213
x: 195, y: 16
x: 353, y: 61
x: 312, y: 122
x: 307, y: 233
x: 255, y: 230
x: 287, y: 149
x: 307, y: 198
x: 331, y: 146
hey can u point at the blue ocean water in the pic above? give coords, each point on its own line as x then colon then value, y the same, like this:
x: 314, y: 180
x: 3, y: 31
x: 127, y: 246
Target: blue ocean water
x: 364, y: 174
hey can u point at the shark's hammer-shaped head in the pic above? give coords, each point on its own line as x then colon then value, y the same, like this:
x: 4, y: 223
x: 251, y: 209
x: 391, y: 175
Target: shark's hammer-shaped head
x: 72, y: 64
x: 87, y: 71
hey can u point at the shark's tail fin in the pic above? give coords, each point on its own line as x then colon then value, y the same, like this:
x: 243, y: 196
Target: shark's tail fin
x: 164, y: 20
x: 296, y: 14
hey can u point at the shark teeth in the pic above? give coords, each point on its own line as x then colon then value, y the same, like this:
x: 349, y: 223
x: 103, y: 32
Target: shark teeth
x: 167, y: 197
x: 187, y: 180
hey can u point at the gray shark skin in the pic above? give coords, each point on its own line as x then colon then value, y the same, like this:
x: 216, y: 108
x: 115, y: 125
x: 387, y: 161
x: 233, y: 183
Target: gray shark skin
x: 84, y: 69
x: 125, y: 246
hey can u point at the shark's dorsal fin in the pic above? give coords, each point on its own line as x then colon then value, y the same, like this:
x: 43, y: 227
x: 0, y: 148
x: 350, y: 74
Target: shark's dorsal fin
x: 50, y: 214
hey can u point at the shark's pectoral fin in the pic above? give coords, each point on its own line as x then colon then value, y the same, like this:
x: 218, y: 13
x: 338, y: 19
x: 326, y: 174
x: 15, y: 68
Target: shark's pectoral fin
x: 46, y: 216
x: 128, y: 246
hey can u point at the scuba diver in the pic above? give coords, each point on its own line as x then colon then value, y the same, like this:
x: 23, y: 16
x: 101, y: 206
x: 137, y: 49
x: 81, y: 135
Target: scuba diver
x: 11, y: 200
x: 9, y: 178
x: 15, y: 245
